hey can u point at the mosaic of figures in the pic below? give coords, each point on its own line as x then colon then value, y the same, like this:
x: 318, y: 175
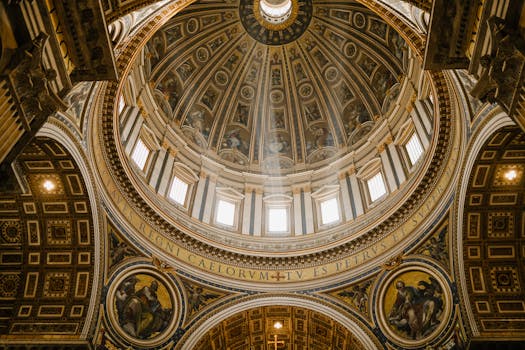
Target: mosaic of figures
x: 414, y: 305
x: 143, y: 305
x: 249, y: 102
x: 417, y: 308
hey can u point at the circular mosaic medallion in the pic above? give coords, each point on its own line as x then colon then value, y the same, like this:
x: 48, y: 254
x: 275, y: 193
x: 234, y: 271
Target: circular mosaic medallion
x: 202, y: 54
x: 10, y: 231
x: 306, y: 90
x: 221, y: 78
x: 279, y: 29
x: 414, y: 305
x: 350, y: 49
x: 142, y: 306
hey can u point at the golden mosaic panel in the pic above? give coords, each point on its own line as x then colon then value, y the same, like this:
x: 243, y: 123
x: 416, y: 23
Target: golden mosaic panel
x: 51, y: 311
x: 505, y: 279
x: 63, y: 258
x: 483, y: 307
x: 10, y: 231
x: 31, y: 284
x: 56, y: 284
x: 200, y: 297
x: 480, y: 176
x: 25, y: 310
x: 474, y: 252
x: 33, y: 232
x: 474, y: 225
x: 477, y: 280
x: 9, y: 283
x: 414, y: 305
x: 356, y: 296
x: 30, y: 208
x: 58, y: 232
x: 501, y: 252
x: 503, y: 199
x: 124, y: 300
x: 500, y: 225
x: 511, y: 306
x: 55, y: 207
x: 504, y: 326
x: 475, y: 199
x: 75, y: 186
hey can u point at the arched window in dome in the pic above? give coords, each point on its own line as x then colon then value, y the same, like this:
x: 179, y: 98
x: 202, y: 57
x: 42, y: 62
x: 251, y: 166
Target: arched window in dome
x: 181, y: 186
x: 144, y: 147
x: 278, y: 220
x: 410, y: 143
x: 414, y: 148
x: 372, y: 178
x: 376, y: 187
x: 178, y: 190
x: 278, y: 215
x: 225, y: 214
x: 227, y: 208
x: 328, y: 207
x: 330, y: 211
x: 140, y: 154
x: 121, y: 104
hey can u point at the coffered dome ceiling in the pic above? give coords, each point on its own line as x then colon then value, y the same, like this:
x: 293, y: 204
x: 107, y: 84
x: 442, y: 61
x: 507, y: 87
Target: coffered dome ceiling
x: 275, y: 95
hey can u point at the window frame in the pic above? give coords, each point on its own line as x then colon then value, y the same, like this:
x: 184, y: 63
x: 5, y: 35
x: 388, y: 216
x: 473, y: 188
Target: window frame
x: 147, y: 158
x: 278, y: 201
x: 186, y: 175
x: 323, y: 195
x: 366, y: 173
x: 404, y: 136
x: 171, y: 187
x: 231, y: 204
x: 420, y: 145
x: 233, y: 197
x: 380, y: 176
